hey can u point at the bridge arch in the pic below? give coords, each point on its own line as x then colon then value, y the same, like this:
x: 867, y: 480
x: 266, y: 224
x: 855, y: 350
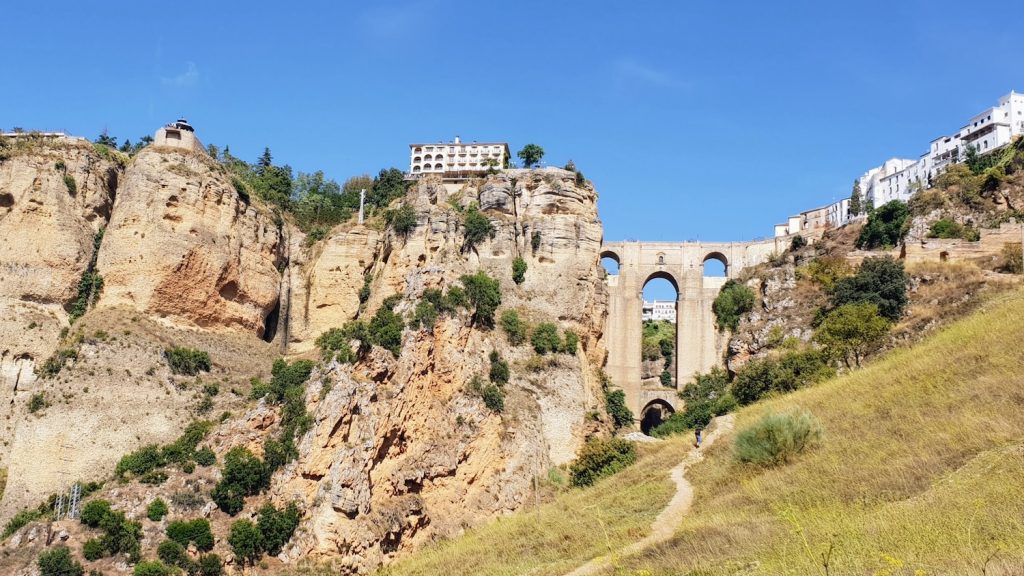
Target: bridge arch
x: 654, y: 413
x: 717, y: 259
x: 615, y: 262
x: 664, y: 275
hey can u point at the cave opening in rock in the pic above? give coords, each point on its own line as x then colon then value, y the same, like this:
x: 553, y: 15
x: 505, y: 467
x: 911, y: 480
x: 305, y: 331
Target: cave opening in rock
x: 270, y: 325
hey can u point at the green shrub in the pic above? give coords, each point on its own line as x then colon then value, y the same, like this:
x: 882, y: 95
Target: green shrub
x: 120, y: 535
x: 277, y: 526
x: 615, y: 406
x: 852, y: 331
x: 154, y: 568
x: 244, y: 475
x: 732, y: 302
x: 210, y: 565
x: 55, y: 363
x: 364, y: 292
x: 172, y: 553
x: 402, y: 220
x: 187, y: 361
x: 94, y: 512
x: 92, y: 549
x: 37, y: 402
x: 205, y: 456
x: 886, y: 226
x: 386, y: 330
x: 545, y: 338
x: 665, y: 378
x: 494, y: 397
x: 880, y: 281
x: 518, y: 270
x: 705, y: 397
x: 156, y: 510
x: 515, y: 329
x: 245, y: 541
x: 424, y: 316
x: 476, y: 228
x: 535, y: 241
x: 69, y: 181
x: 484, y: 296
x: 797, y: 243
x: 58, y: 562
x: 792, y: 370
x: 196, y: 531
x: 777, y: 438
x: 571, y: 342
x: 600, y: 458
x: 499, y: 373
x: 19, y: 520
x: 140, y: 462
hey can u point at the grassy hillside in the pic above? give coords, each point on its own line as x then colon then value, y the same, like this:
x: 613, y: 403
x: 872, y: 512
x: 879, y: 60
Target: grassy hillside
x: 572, y: 528
x: 919, y: 472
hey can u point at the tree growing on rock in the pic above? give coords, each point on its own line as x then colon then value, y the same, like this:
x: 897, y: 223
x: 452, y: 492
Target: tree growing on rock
x: 531, y: 154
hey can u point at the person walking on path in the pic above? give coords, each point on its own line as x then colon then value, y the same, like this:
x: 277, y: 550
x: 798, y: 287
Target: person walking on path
x: 696, y: 432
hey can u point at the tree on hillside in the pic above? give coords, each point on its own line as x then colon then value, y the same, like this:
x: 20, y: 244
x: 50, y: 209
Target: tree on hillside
x: 886, y: 226
x: 106, y: 139
x: 879, y: 281
x: 265, y: 161
x: 855, y: 199
x: 531, y: 154
x: 484, y: 295
x: 852, y: 331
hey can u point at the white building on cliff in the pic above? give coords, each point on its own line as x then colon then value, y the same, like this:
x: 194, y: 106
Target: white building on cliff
x: 659, y: 310
x: 457, y: 159
x: 900, y: 178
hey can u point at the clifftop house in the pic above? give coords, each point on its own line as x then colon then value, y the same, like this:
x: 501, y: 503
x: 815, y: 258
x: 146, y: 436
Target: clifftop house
x: 179, y: 134
x: 457, y: 160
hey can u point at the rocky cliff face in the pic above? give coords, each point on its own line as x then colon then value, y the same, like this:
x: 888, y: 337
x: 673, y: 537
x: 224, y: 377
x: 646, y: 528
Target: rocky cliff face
x: 54, y: 197
x: 400, y: 452
x: 210, y: 258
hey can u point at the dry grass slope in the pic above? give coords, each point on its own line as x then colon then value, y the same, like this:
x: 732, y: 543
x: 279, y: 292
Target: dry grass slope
x: 919, y: 473
x: 574, y: 527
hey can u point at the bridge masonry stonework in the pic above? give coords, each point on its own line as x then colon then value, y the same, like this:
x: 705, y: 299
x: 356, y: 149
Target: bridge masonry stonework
x: 699, y: 344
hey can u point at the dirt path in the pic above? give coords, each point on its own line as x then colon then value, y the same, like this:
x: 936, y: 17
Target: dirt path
x: 665, y: 524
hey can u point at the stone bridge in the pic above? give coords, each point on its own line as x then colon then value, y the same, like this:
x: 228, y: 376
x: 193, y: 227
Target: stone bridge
x: 699, y: 345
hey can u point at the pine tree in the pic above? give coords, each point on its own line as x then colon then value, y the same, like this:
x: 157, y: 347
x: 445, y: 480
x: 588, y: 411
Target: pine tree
x: 265, y: 161
x: 855, y: 199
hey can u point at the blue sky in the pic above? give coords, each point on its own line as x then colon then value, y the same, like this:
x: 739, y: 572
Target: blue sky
x: 702, y: 120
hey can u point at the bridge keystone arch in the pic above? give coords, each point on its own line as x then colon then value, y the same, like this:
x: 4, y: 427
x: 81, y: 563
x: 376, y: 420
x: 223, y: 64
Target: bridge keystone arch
x: 699, y: 345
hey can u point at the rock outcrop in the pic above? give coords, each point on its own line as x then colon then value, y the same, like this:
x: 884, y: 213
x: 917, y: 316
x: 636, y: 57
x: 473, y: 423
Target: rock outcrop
x: 210, y: 258
x: 55, y: 196
x: 400, y: 452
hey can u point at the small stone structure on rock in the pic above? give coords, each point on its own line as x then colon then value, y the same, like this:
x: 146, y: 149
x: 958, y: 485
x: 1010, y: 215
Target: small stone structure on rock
x: 179, y: 134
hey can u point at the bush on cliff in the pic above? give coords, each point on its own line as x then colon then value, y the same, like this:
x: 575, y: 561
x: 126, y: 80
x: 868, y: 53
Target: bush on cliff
x: 600, y: 458
x: 886, y: 226
x: 476, y: 228
x: 732, y: 302
x: 187, y: 361
x: 880, y: 281
x: 244, y: 475
x: 514, y: 327
x: 484, y: 296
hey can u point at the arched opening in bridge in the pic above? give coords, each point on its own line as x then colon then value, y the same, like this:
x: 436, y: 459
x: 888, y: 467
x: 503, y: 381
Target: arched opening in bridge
x: 658, y: 346
x: 656, y: 412
x: 716, y: 265
x: 610, y: 262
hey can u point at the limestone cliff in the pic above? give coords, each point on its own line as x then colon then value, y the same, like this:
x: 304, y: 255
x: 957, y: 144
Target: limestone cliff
x: 400, y: 453
x: 55, y: 195
x: 182, y: 244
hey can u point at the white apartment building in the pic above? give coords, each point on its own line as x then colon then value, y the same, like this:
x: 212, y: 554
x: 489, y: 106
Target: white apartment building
x: 898, y: 179
x: 456, y: 159
x: 659, y: 310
